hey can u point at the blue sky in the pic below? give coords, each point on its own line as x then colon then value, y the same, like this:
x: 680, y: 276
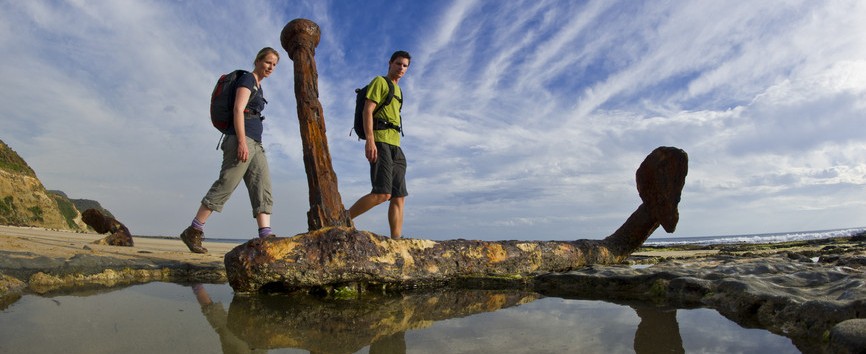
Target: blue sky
x: 524, y: 119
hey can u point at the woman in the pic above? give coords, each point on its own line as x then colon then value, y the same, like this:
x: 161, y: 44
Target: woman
x: 243, y: 156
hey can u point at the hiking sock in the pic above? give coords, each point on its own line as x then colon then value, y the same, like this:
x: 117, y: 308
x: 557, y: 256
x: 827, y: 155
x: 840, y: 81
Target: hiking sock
x: 198, y: 225
x: 265, y: 231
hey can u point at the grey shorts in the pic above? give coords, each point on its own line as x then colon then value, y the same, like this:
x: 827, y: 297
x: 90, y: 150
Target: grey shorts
x: 388, y: 173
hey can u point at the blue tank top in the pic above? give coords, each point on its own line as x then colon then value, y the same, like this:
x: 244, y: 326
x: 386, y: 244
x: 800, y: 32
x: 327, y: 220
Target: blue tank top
x: 253, y: 126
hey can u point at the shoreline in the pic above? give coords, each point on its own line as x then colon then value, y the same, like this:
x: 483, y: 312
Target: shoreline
x: 808, y: 291
x: 41, y: 260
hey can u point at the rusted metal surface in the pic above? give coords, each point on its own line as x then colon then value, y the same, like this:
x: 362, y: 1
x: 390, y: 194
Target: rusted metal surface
x: 335, y: 256
x: 299, y: 38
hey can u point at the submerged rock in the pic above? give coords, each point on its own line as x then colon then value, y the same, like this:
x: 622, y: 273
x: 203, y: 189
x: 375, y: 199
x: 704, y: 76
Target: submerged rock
x: 10, y: 290
x: 802, y: 301
x: 849, y: 337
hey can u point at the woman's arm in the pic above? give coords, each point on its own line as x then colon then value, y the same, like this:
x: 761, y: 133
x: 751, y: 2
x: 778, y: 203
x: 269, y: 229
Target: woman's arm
x: 242, y: 97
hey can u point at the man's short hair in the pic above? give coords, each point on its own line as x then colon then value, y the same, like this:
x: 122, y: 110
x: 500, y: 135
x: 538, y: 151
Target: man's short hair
x: 400, y: 54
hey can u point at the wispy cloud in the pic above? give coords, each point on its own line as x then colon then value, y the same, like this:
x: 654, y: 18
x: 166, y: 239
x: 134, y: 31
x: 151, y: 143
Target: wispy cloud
x: 523, y: 119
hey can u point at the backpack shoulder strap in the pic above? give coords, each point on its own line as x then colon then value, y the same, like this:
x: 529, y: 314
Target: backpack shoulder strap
x: 388, y: 98
x: 255, y: 91
x: 386, y: 102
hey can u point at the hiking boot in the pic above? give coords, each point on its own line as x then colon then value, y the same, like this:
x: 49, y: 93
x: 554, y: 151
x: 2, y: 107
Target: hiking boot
x: 192, y: 239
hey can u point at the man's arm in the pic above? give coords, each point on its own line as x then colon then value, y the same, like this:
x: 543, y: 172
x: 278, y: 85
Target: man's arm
x: 370, y: 146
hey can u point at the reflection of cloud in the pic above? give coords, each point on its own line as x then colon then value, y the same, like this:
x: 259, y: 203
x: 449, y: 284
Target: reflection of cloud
x: 706, y: 331
x: 554, y: 325
x: 549, y: 325
x: 546, y: 325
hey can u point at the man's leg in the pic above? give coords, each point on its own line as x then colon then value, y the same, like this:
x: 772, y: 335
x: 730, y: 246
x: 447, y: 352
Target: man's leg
x: 398, y: 193
x: 395, y: 216
x: 380, y: 178
x: 367, y: 202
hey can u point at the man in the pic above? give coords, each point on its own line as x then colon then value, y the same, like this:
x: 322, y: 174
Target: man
x: 382, y: 146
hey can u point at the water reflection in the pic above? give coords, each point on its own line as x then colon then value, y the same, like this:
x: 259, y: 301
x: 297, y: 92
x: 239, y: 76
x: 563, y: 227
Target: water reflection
x: 658, y: 331
x: 342, y: 326
x: 170, y: 318
x: 217, y: 317
x: 254, y: 324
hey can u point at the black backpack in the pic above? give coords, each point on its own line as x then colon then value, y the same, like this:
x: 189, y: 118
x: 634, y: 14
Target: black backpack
x: 378, y: 123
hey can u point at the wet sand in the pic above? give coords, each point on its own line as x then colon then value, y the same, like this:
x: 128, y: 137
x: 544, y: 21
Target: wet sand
x: 65, y: 244
x: 42, y: 261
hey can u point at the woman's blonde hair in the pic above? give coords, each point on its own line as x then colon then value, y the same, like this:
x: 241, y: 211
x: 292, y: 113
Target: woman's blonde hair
x: 265, y: 51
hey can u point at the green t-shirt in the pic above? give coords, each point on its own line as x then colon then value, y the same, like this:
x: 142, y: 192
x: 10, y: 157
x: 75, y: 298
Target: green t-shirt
x: 378, y: 92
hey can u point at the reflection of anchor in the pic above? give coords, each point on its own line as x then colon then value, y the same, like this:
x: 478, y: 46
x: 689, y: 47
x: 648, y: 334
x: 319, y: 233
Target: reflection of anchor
x: 334, y: 253
x: 346, y: 326
x: 658, y: 331
x: 380, y: 322
x: 217, y: 317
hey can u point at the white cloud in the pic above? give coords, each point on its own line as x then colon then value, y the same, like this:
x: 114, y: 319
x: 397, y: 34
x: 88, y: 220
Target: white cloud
x: 523, y: 119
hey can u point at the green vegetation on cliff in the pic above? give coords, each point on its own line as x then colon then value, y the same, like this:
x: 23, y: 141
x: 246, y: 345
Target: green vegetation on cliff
x: 81, y: 204
x: 67, y: 209
x: 10, y: 161
x: 11, y: 214
x: 7, y: 210
x: 24, y: 201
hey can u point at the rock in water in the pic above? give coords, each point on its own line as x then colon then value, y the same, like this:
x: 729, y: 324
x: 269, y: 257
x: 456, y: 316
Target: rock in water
x: 849, y: 336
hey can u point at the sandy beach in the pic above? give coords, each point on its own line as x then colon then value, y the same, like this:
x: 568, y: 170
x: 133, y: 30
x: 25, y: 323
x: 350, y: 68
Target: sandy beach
x: 43, y: 261
x: 51, y: 243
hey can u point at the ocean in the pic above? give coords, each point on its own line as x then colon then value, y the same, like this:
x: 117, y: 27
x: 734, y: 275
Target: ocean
x: 713, y: 240
x: 754, y: 238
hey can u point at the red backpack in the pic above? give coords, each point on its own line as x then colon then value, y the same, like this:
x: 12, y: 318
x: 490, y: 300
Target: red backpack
x: 222, y: 100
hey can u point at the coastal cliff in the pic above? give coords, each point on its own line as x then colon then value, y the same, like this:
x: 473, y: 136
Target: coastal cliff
x: 24, y: 200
